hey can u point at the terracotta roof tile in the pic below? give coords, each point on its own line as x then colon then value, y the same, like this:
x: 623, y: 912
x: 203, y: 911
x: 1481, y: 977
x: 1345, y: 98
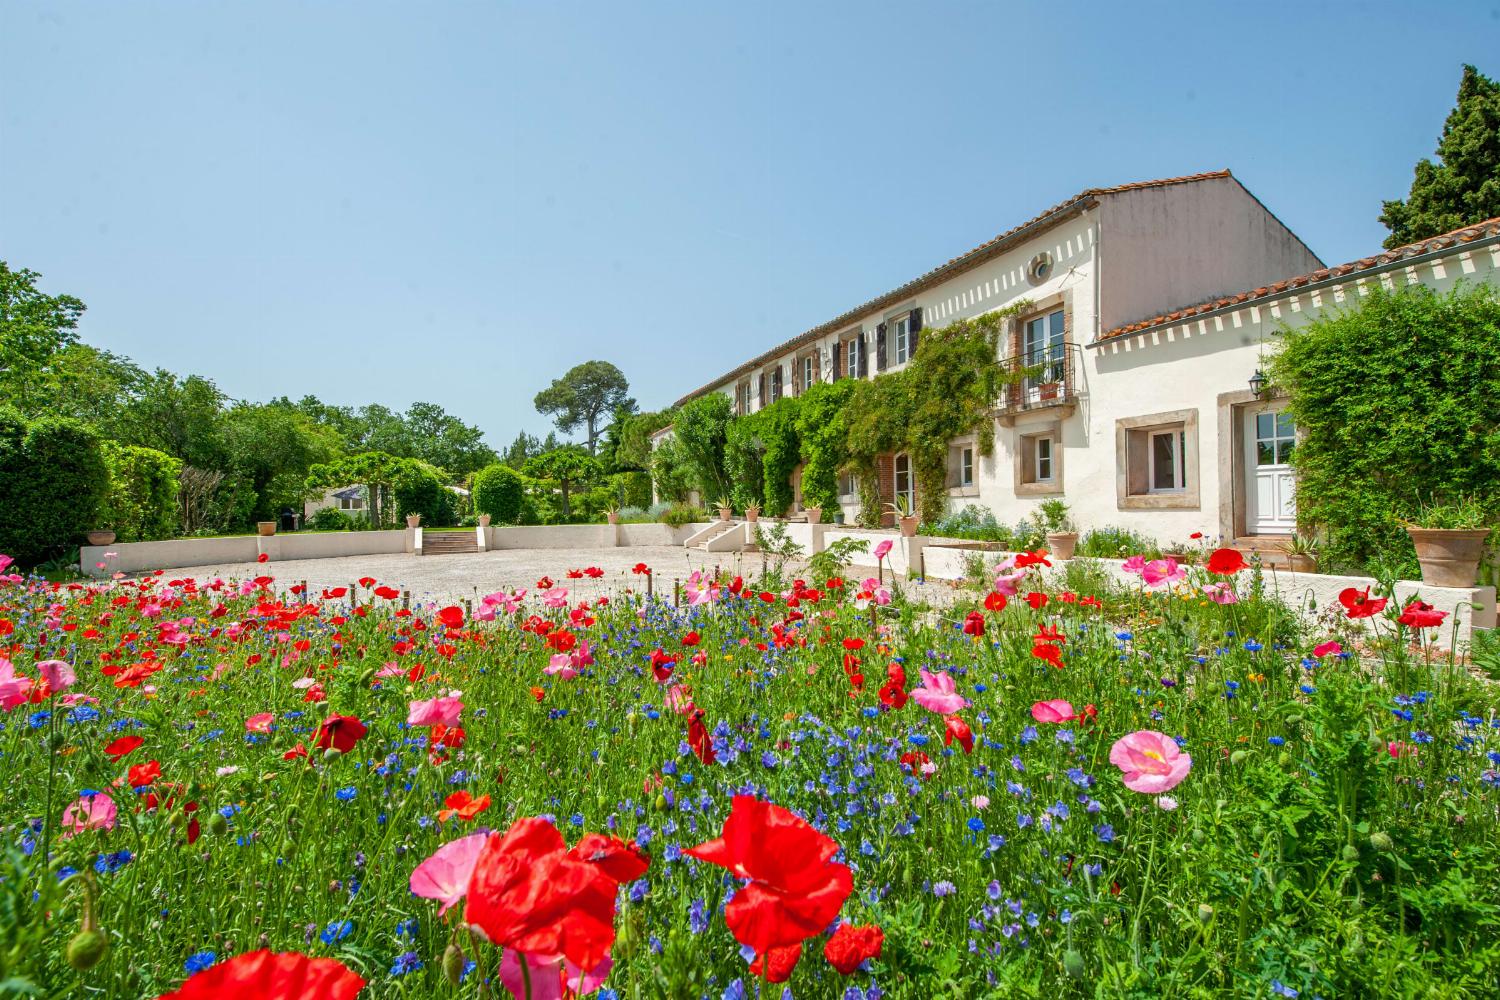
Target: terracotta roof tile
x: 962, y: 262
x: 1468, y: 234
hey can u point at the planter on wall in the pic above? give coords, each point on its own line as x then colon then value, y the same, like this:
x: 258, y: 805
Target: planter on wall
x: 909, y: 526
x: 1048, y: 390
x: 612, y: 518
x: 413, y: 520
x: 752, y: 514
x: 814, y: 514
x: 101, y: 537
x: 1301, y: 562
x: 265, y: 527
x: 1062, y: 543
x: 1449, y: 557
x: 484, y: 520
x: 725, y: 513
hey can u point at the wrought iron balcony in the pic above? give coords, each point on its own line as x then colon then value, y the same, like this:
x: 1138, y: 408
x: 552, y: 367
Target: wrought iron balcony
x: 1048, y: 376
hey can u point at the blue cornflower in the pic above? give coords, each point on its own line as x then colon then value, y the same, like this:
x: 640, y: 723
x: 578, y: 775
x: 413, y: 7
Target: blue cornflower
x: 1275, y: 741
x: 336, y: 930
x: 346, y: 794
x: 198, y: 961
x: 943, y: 888
x: 407, y: 961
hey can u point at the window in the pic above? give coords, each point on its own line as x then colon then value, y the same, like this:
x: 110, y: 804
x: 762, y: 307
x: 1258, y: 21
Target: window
x: 1039, y: 460
x: 966, y: 467
x: 905, y: 487
x: 901, y: 329
x: 1042, y: 345
x: 855, y: 350
x: 775, y: 383
x: 807, y: 373
x: 848, y: 486
x: 1042, y: 460
x: 351, y: 503
x: 1040, y: 268
x: 1167, y: 449
x: 1156, y: 458
x: 742, y: 399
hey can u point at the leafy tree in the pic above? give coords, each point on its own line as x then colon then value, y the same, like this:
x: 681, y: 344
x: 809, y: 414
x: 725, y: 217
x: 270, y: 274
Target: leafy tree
x: 89, y: 384
x: 525, y: 446
x: 52, y: 480
x: 141, y: 501
x: 1396, y: 399
x: 180, y: 416
x: 498, y: 491
x: 566, y: 467
x: 633, y: 449
x: 375, y: 470
x: 272, y: 447
x: 444, y: 440
x: 669, y: 472
x: 34, y: 327
x: 701, y: 429
x: 1464, y: 187
x: 822, y: 428
x: 418, y: 489
x: 582, y: 398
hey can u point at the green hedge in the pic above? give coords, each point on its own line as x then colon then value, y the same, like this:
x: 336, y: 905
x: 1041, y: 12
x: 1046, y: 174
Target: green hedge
x: 52, y: 480
x: 498, y: 491
x: 418, y: 491
x: 140, y: 504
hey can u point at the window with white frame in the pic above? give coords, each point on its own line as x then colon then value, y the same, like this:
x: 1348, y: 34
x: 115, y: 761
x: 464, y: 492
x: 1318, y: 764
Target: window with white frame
x: 848, y: 486
x: 1039, y: 461
x: 807, y: 373
x: 1166, y: 453
x: 905, y: 485
x: 775, y: 383
x: 901, y: 329
x: 1042, y: 459
x: 966, y: 466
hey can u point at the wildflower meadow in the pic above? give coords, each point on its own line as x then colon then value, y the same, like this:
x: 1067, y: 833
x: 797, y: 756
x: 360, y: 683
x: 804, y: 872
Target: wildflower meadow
x: 1048, y: 785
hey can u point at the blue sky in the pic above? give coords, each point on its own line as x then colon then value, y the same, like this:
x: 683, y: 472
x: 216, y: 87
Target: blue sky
x: 457, y: 202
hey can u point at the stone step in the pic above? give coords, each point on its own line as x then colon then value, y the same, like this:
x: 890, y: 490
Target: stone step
x: 449, y: 542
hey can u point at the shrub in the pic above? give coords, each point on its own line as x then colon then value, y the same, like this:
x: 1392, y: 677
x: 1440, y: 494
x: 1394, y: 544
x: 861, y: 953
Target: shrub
x: 52, y: 481
x: 419, y: 491
x: 331, y: 519
x: 141, y: 502
x: 822, y: 427
x: 1395, y: 400
x: 679, y: 514
x: 700, y: 430
x: 1115, y: 543
x: 498, y: 490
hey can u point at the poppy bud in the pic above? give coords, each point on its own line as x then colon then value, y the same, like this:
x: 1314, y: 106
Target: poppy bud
x: 365, y: 679
x: 332, y: 754
x: 1238, y: 757
x: 87, y: 949
x: 1351, y: 853
x: 453, y: 964
x: 217, y: 824
x: 661, y: 803
x: 1205, y: 913
x: 1073, y: 964
x: 1382, y: 842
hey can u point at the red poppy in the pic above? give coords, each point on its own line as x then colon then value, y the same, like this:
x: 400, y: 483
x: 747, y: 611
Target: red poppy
x: 893, y: 692
x: 388, y: 593
x: 915, y: 761
x: 1359, y: 603
x: 463, y: 805
x: 1037, y: 558
x: 691, y: 639
x: 538, y: 693
x: 1226, y: 562
x: 122, y: 746
x: 1419, y: 614
x: 1047, y: 651
x: 699, y: 739
x: 850, y: 946
x: 452, y: 616
x: 854, y: 644
x: 545, y: 583
x: 297, y: 751
x: 955, y: 728
x: 334, y: 593
x: 143, y: 775
x: 272, y: 976
x: 263, y: 557
x: 782, y: 960
x: 340, y: 732
x: 641, y: 569
x: 1037, y: 601
x: 662, y: 663
x: 995, y: 602
x: 367, y: 581
x: 1049, y: 633
x: 614, y: 857
x: 795, y: 887
x: 974, y: 623
x: 530, y: 893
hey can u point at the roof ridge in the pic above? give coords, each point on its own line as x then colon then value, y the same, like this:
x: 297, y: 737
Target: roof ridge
x: 1464, y: 234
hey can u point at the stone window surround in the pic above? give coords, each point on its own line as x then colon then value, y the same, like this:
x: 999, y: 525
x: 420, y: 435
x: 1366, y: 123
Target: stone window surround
x: 955, y: 450
x: 1024, y: 459
x: 1138, y: 428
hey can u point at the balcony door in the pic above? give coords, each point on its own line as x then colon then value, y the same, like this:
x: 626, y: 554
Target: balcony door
x: 1271, y: 489
x: 1042, y: 344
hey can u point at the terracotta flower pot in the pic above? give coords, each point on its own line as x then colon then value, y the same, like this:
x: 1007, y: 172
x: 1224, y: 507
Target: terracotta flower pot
x: 1062, y: 543
x: 1301, y: 562
x: 1047, y: 390
x: 752, y: 514
x: 484, y: 520
x: 1449, y: 557
x: 101, y: 537
x: 613, y: 518
x: 909, y: 526
x: 814, y: 514
x: 725, y: 513
x: 265, y: 527
x: 413, y: 520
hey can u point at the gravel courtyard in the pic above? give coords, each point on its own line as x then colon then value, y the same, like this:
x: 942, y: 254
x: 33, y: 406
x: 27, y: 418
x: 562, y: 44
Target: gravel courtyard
x: 450, y: 578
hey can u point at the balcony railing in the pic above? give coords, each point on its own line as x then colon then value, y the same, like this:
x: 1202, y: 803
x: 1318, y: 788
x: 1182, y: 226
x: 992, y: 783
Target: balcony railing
x: 1048, y: 376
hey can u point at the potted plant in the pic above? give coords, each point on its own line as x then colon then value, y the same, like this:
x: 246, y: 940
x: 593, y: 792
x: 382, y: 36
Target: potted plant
x: 1449, y: 537
x: 101, y: 536
x: 1302, y: 554
x: 906, y: 515
x: 1057, y: 525
x: 752, y: 511
x: 726, y: 508
x: 1048, y: 390
x: 265, y: 527
x: 413, y: 520
x: 612, y: 515
x: 484, y: 520
x: 814, y: 514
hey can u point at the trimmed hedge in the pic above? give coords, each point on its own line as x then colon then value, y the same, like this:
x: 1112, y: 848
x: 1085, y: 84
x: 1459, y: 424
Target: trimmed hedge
x: 52, y: 480
x: 140, y: 504
x: 498, y: 491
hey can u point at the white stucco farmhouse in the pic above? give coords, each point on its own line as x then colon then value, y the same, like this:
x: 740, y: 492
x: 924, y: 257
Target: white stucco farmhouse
x: 1153, y: 305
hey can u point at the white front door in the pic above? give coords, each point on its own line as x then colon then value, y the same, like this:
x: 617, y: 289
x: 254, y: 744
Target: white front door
x: 1270, y: 492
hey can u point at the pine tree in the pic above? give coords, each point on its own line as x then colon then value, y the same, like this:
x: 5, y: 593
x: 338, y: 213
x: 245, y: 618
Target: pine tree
x: 1464, y: 187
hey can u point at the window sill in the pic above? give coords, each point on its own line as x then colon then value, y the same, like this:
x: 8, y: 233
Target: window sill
x: 963, y: 491
x: 1160, y: 501
x: 1048, y: 489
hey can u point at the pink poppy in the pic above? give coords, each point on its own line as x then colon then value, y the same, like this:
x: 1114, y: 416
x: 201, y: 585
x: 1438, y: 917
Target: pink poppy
x: 388, y: 669
x: 1159, y: 572
x: 1220, y: 593
x: 1327, y: 649
x: 5, y: 562
x: 1152, y: 762
x: 557, y: 597
x: 58, y: 675
x: 882, y: 549
x: 680, y: 699
x: 1009, y: 583
x: 90, y: 812
x: 1055, y: 710
x: 937, y: 694
x: 435, y: 712
x: 552, y: 976
x: 14, y: 689
x: 1135, y: 565
x: 259, y: 723
x: 561, y: 667
x: 445, y: 875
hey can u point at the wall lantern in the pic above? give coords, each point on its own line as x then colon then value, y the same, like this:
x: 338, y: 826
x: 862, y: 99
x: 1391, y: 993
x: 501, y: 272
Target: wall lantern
x: 1259, y: 383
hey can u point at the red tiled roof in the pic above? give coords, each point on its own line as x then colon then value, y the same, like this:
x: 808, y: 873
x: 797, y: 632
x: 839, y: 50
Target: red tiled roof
x: 973, y: 258
x: 1458, y: 237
